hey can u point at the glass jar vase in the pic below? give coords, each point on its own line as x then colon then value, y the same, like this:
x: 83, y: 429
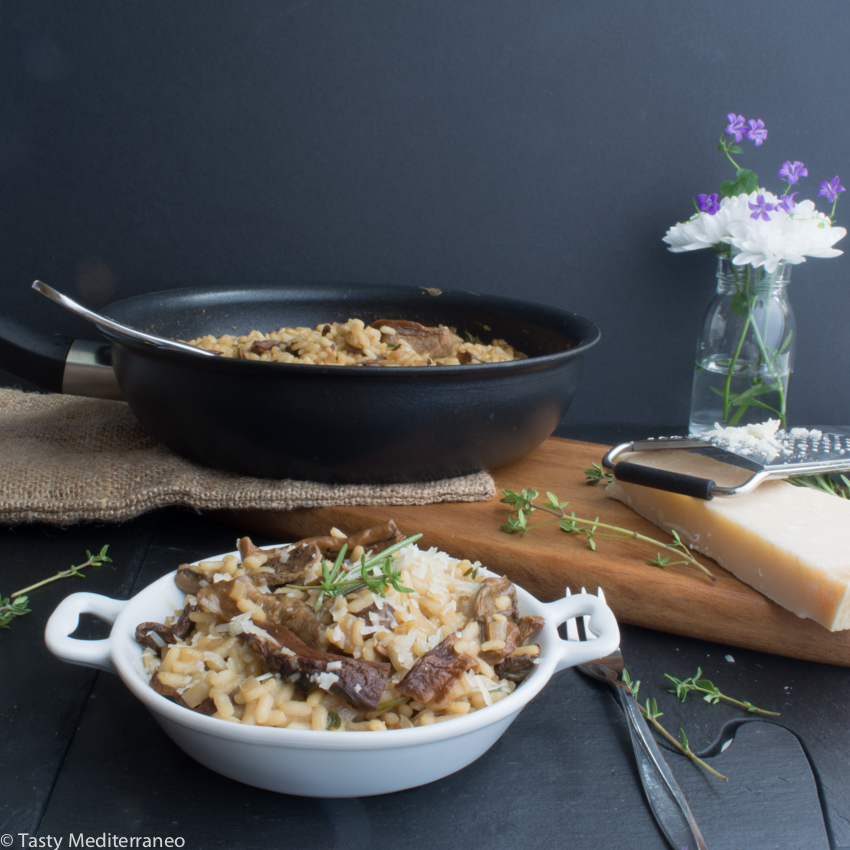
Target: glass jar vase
x: 745, y: 349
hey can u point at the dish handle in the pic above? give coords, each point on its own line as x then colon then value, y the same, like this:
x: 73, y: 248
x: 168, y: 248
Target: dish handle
x: 602, y: 624
x: 65, y: 619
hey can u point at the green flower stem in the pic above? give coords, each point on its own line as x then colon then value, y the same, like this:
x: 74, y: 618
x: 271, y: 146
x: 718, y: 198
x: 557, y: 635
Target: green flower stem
x: 769, y: 365
x: 765, y: 359
x: 728, y: 155
x: 727, y: 386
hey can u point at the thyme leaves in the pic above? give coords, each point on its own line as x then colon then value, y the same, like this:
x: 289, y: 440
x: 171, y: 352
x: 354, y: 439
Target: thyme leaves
x: 711, y: 693
x: 524, y: 504
x: 651, y: 714
x: 15, y: 605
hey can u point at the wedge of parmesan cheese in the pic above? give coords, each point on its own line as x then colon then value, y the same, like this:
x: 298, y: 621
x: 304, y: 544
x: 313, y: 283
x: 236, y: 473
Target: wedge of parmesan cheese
x: 790, y: 543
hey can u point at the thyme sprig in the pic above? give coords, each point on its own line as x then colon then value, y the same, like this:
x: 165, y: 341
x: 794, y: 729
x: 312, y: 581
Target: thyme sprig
x: 16, y: 605
x: 651, y: 714
x: 711, y: 693
x: 10, y: 609
x: 377, y: 573
x: 524, y: 504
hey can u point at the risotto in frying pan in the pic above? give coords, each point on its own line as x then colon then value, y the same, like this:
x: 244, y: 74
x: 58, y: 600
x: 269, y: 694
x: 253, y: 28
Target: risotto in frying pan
x: 386, y: 342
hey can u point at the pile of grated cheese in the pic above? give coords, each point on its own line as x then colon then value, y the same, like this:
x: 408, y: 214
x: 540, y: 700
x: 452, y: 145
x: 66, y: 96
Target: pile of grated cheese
x: 762, y: 438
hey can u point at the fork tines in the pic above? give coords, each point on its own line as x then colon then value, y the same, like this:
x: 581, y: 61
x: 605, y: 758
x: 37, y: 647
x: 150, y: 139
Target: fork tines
x: 577, y: 627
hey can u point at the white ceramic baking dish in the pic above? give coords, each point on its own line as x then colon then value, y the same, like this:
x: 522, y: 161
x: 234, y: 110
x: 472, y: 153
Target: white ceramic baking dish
x: 317, y: 763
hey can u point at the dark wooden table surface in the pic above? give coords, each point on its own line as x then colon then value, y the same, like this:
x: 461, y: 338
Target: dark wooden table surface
x: 81, y: 760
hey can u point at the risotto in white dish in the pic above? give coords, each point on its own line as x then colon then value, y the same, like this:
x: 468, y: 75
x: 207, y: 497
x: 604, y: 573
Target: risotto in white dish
x: 361, y: 633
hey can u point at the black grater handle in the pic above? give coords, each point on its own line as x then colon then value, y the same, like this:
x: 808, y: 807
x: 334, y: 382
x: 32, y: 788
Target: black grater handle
x: 662, y: 479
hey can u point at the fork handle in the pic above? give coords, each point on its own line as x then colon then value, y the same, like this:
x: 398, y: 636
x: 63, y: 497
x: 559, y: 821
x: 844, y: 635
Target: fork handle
x: 666, y: 799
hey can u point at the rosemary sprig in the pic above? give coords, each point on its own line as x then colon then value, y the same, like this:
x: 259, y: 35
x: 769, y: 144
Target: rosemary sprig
x: 711, y: 692
x: 523, y: 505
x: 392, y: 703
x: 826, y: 483
x: 651, y: 714
x: 377, y: 573
x: 15, y: 605
x: 594, y: 474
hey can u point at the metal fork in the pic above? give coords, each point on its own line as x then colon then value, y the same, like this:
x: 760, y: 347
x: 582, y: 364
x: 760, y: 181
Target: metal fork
x: 666, y: 800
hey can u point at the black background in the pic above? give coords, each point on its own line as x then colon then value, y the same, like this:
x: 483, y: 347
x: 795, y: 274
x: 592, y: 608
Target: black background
x: 539, y: 149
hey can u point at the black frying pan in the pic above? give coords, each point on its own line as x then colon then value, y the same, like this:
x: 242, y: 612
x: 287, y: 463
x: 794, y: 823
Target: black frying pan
x: 342, y: 424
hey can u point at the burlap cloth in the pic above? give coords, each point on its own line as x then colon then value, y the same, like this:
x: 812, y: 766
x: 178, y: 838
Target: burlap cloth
x: 65, y: 459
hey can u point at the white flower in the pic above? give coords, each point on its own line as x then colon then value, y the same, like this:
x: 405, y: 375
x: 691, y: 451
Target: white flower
x: 785, y: 238
x: 704, y: 230
x: 753, y: 241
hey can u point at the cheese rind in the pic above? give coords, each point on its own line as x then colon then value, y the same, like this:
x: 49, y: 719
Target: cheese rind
x: 790, y: 543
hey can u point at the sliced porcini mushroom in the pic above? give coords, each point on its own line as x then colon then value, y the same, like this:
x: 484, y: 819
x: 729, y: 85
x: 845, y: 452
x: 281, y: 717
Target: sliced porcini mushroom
x: 434, y: 342
x: 500, y: 625
x: 374, y: 540
x: 189, y: 580
x: 282, y: 565
x: 359, y: 681
x: 515, y: 667
x: 223, y: 599
x: 434, y: 674
x: 261, y: 345
x: 168, y: 634
x: 497, y: 614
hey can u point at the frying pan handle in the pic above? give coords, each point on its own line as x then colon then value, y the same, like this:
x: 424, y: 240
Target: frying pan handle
x: 662, y: 479
x: 31, y: 355
x: 57, y: 364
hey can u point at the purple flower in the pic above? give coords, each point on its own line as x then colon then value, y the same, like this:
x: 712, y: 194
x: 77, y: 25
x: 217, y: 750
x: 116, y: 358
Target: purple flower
x: 708, y: 204
x: 756, y: 132
x: 737, y: 126
x: 792, y: 171
x: 830, y: 189
x: 787, y: 203
x: 761, y: 209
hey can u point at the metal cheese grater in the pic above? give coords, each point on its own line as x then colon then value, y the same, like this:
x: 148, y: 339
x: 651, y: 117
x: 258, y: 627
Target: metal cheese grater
x: 805, y: 453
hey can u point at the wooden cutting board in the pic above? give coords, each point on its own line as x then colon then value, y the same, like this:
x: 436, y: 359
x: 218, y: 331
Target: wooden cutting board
x: 678, y: 600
